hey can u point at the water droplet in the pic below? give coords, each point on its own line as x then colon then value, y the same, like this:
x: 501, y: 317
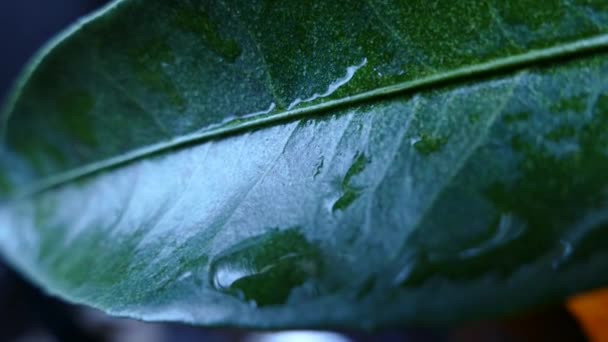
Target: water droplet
x: 185, y: 276
x: 349, y: 192
x: 335, y: 85
x: 238, y: 120
x: 266, y: 111
x: 427, y: 144
x: 346, y: 200
x: 319, y: 167
x: 266, y: 268
x: 404, y: 273
x: 586, y: 236
x: 422, y: 263
x: 508, y: 229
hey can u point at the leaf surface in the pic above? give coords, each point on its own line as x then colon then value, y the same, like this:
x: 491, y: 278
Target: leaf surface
x: 253, y: 163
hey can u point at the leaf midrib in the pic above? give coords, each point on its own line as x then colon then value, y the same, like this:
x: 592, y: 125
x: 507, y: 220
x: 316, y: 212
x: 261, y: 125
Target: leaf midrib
x: 535, y: 56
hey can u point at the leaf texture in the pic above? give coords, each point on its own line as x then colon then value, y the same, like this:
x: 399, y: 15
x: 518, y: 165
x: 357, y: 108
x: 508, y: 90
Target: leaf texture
x: 255, y: 163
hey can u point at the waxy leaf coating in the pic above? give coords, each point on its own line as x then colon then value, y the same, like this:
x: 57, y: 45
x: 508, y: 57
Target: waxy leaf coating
x: 313, y: 164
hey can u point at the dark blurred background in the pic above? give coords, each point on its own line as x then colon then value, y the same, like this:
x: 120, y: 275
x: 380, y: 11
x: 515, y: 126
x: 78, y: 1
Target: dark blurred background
x: 27, y: 24
x: 27, y: 314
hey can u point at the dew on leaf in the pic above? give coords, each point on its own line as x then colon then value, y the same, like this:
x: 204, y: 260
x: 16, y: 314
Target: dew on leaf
x: 572, y: 184
x: 350, y: 196
x: 238, y: 120
x: 185, y: 276
x: 319, y: 167
x: 349, y: 192
x: 266, y: 268
x: 333, y: 87
x: 428, y: 144
x: 507, y: 229
x: 504, y: 234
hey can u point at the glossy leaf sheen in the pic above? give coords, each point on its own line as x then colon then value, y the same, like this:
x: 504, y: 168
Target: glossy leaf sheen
x: 344, y: 163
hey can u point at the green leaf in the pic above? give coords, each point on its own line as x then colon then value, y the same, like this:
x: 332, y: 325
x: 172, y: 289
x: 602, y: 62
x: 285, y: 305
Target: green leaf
x: 326, y: 164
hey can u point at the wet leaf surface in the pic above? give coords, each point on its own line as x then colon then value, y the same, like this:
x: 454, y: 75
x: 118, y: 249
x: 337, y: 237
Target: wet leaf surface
x: 346, y: 164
